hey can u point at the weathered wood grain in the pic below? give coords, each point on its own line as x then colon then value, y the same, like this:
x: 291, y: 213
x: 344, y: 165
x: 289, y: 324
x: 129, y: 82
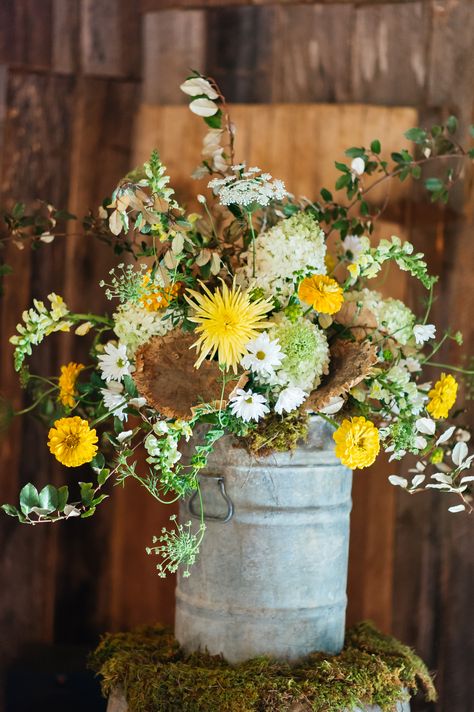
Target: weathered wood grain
x: 110, y: 38
x: 37, y: 119
x: 163, y: 67
x: 154, y: 5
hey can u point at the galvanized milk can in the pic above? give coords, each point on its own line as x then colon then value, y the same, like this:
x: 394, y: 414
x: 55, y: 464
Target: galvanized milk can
x: 272, y: 572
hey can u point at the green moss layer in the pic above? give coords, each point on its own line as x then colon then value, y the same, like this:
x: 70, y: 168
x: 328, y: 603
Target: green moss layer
x: 277, y: 434
x: 157, y: 676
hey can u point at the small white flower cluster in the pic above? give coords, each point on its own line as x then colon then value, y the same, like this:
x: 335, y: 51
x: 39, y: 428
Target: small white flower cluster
x: 248, y: 187
x: 38, y: 322
x: 135, y: 325
x: 294, y: 246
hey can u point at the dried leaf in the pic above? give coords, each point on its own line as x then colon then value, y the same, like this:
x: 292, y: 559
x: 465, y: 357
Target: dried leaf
x: 350, y: 363
x: 170, y: 260
x: 165, y: 375
x: 177, y: 244
x: 215, y: 263
x: 360, y: 320
x: 115, y: 223
x: 203, y: 257
x: 161, y: 205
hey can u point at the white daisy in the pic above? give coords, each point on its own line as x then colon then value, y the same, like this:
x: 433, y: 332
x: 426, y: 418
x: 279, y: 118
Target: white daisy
x: 264, y: 355
x: 248, y: 405
x: 289, y: 399
x: 424, y: 332
x: 114, y: 362
x: 353, y: 247
x: 114, y: 399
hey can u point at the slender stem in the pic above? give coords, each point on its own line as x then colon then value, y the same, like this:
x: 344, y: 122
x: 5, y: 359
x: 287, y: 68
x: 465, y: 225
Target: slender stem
x: 331, y: 421
x: 449, y: 367
x: 254, y: 254
x: 37, y: 402
x: 430, y: 304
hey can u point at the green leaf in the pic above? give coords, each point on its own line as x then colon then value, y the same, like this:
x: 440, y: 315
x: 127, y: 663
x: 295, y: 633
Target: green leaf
x: 103, y: 476
x: 98, y: 462
x: 375, y: 146
x: 98, y: 500
x: 215, y: 121
x: 355, y: 152
x: 5, y: 269
x: 130, y: 386
x: 436, y: 131
x: 343, y: 181
x: 87, y: 492
x: 10, y: 510
x: 434, y: 184
x: 29, y: 498
x: 452, y: 124
x: 48, y: 498
x: 88, y: 513
x: 471, y: 130
x: 416, y: 135
x: 470, y: 153
x: 63, y: 496
x: 118, y: 425
x: 326, y: 195
x: 416, y: 172
x: 342, y: 167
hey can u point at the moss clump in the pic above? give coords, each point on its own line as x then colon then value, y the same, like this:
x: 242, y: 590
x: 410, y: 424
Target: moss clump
x: 156, y: 676
x: 277, y: 434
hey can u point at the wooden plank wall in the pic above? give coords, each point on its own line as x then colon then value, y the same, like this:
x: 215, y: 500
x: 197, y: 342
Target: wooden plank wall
x: 73, y: 74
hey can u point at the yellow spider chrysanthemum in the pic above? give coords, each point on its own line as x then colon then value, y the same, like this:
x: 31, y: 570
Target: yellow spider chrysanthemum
x: 357, y: 443
x: 442, y: 396
x: 67, y: 383
x: 323, y: 293
x: 72, y: 441
x: 227, y: 320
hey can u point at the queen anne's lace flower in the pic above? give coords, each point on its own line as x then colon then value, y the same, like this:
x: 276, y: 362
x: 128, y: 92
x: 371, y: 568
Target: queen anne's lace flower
x: 295, y: 245
x: 245, y: 188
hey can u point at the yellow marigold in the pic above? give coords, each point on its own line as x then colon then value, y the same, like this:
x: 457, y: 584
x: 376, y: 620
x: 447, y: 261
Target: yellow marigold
x: 323, y: 293
x: 227, y: 320
x: 72, y: 441
x: 357, y: 443
x: 161, y: 297
x: 67, y: 383
x: 442, y: 396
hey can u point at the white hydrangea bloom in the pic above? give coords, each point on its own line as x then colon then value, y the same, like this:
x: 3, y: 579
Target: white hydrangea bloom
x: 296, y: 244
x: 306, y: 353
x: 396, y: 319
x: 135, y: 325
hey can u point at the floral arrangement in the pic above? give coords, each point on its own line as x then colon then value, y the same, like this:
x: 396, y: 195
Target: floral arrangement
x: 246, y: 318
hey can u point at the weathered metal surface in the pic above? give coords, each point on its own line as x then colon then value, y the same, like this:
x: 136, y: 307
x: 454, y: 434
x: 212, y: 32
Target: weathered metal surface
x: 272, y: 579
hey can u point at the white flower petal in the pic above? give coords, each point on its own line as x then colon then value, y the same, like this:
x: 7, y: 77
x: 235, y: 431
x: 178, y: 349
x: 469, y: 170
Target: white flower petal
x: 398, y: 481
x: 204, y: 107
x: 426, y: 426
x: 459, y: 453
x: 457, y: 508
x: 358, y: 166
x: 417, y: 480
x: 198, y: 85
x: 334, y: 406
x: 446, y: 435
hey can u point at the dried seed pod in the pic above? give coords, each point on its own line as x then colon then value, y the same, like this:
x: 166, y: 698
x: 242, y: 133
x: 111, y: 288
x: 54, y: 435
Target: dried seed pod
x: 351, y: 362
x: 165, y: 375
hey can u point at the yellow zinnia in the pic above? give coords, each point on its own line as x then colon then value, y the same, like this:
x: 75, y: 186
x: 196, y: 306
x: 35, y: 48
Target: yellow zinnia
x: 442, y: 396
x: 67, y: 383
x: 323, y: 293
x: 357, y: 443
x: 227, y: 321
x: 72, y: 441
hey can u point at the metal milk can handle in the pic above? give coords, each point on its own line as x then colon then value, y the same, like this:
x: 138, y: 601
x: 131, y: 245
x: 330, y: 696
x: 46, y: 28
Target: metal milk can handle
x: 209, y: 517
